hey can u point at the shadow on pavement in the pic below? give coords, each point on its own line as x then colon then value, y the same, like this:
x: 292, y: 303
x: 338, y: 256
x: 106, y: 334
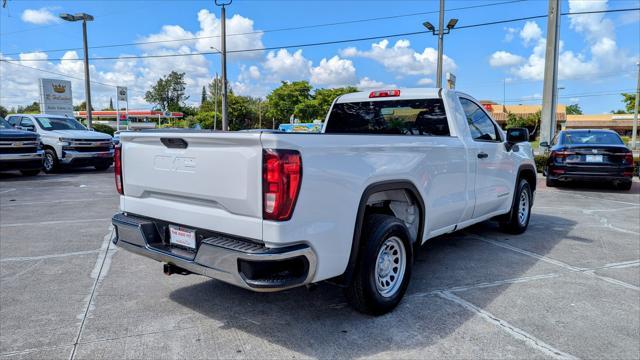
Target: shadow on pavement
x: 319, y: 323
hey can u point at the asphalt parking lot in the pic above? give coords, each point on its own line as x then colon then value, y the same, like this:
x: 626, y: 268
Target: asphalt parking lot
x: 569, y: 287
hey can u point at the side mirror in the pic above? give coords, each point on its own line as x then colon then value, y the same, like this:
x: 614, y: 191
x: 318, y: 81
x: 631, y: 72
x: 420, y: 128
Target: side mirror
x: 517, y: 135
x: 545, y: 144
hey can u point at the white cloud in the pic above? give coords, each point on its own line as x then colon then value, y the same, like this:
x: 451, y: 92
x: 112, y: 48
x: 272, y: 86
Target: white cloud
x: 401, y: 58
x: 39, y: 16
x: 602, y: 56
x: 504, y: 58
x: 509, y: 34
x: 335, y: 72
x: 530, y: 32
x: 368, y: 84
x: 425, y: 81
x: 285, y: 66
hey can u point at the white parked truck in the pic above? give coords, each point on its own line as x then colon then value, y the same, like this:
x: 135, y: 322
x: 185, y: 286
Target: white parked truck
x: 67, y: 142
x: 268, y: 211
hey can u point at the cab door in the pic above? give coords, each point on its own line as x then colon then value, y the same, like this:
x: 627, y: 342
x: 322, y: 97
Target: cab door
x: 494, y: 166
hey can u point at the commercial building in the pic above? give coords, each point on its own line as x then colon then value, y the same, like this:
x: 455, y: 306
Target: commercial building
x: 138, y: 119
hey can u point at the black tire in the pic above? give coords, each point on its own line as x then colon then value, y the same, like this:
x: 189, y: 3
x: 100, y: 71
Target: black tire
x: 551, y: 182
x: 32, y: 172
x: 363, y: 292
x: 103, y: 166
x: 624, y: 185
x: 517, y: 220
x: 50, y: 163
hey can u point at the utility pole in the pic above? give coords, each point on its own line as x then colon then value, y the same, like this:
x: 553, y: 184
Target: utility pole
x: 223, y: 40
x: 215, y: 106
x: 440, y: 45
x: 548, y: 118
x: 634, y: 136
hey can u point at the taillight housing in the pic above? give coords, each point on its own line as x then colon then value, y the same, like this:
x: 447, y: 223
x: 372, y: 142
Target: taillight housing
x: 628, y: 158
x: 281, y: 179
x: 561, y: 155
x: 384, y: 93
x: 117, y: 168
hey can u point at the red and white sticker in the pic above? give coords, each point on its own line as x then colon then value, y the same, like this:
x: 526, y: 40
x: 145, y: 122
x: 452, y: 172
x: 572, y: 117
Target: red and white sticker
x: 183, y: 237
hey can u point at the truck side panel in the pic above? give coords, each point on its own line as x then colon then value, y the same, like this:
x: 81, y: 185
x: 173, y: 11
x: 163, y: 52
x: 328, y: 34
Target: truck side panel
x: 337, y: 169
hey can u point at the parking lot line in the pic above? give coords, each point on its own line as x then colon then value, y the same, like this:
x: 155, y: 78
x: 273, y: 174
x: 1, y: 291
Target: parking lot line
x: 54, y: 222
x: 513, y: 331
x: 31, y: 258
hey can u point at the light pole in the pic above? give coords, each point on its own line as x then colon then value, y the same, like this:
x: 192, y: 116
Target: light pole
x: 441, y: 33
x: 87, y: 88
x: 634, y: 135
x: 223, y: 45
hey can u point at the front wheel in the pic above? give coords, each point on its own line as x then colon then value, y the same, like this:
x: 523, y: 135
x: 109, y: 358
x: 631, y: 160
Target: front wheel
x: 384, y: 266
x: 50, y: 163
x: 517, y: 219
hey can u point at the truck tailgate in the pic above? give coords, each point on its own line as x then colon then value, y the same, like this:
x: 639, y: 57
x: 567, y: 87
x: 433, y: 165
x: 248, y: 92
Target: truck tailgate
x: 214, y: 183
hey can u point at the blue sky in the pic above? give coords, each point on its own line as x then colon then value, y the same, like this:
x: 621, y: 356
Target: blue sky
x: 597, y: 59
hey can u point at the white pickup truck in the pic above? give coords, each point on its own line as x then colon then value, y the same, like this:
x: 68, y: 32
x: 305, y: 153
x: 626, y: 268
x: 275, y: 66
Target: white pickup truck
x: 268, y: 211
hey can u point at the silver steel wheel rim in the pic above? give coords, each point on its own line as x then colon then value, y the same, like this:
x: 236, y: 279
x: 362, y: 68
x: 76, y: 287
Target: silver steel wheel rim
x: 48, y: 161
x: 390, y: 266
x: 523, y: 207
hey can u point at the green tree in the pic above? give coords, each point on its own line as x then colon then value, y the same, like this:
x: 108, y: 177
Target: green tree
x: 111, y: 104
x: 618, y: 112
x: 82, y: 107
x: 3, y: 111
x: 574, y: 110
x: 529, y: 121
x: 168, y: 93
x: 203, y: 97
x: 34, y: 108
x: 308, y: 110
x: 284, y: 99
x: 629, y: 101
x: 242, y: 112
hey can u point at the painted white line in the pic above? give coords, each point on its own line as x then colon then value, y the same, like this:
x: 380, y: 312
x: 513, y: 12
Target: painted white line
x: 54, y: 222
x: 621, y: 265
x: 6, y: 191
x: 612, y: 280
x: 28, y: 351
x: 31, y: 258
x: 616, y: 209
x: 54, y: 201
x: 519, y: 280
x: 605, y: 199
x: 511, y: 330
x: 527, y: 253
x: 100, y: 270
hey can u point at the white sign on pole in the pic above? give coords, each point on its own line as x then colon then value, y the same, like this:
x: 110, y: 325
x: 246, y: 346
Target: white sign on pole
x: 451, y: 80
x: 122, y: 93
x: 55, y: 97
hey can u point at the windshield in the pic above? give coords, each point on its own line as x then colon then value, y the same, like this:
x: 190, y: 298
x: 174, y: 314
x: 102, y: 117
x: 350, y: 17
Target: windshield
x: 4, y: 124
x: 59, y: 123
x: 592, y: 137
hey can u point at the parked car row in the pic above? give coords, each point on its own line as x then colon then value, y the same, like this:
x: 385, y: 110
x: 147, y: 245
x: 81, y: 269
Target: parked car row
x: 31, y: 142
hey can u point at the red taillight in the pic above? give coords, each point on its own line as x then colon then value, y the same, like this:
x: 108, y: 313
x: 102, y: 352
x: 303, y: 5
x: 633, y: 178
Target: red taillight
x: 628, y: 159
x: 561, y: 154
x: 117, y: 167
x: 384, y: 93
x: 281, y: 178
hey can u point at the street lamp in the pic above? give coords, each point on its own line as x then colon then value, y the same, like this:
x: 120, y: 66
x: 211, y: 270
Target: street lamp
x: 440, y: 33
x: 87, y: 89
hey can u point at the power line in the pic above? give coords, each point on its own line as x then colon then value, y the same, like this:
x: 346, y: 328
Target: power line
x: 275, y: 30
x: 611, y: 92
x: 330, y: 42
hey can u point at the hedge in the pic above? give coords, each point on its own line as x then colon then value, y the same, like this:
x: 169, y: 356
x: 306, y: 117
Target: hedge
x: 103, y: 128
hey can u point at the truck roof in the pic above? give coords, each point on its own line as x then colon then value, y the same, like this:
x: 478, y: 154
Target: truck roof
x: 405, y: 93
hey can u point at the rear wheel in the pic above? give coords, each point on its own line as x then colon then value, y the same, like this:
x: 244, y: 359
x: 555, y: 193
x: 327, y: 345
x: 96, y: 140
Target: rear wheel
x: 50, y: 163
x: 624, y: 185
x: 33, y: 172
x: 384, y: 266
x: 518, y: 218
x: 102, y: 166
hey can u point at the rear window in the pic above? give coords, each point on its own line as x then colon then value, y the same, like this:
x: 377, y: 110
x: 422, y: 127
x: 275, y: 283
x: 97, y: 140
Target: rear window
x: 393, y: 117
x: 592, y: 137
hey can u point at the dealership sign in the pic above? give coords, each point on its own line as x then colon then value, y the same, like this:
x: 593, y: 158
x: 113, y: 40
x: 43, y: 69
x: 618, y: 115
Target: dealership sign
x: 55, y: 97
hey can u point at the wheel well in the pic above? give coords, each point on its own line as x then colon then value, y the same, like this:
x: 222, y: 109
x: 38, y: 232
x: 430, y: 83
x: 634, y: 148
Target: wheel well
x: 529, y: 175
x: 391, y: 198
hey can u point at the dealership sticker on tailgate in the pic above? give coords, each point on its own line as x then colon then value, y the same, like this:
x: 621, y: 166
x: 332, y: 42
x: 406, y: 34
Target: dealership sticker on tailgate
x: 183, y: 237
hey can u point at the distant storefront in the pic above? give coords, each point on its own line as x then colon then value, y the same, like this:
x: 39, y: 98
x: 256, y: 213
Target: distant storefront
x: 137, y: 119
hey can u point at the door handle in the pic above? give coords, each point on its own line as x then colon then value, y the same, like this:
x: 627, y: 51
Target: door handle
x: 483, y: 155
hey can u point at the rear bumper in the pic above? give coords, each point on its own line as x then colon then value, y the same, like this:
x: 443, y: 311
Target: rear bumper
x: 591, y: 173
x: 26, y: 161
x: 242, y: 263
x: 77, y: 158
